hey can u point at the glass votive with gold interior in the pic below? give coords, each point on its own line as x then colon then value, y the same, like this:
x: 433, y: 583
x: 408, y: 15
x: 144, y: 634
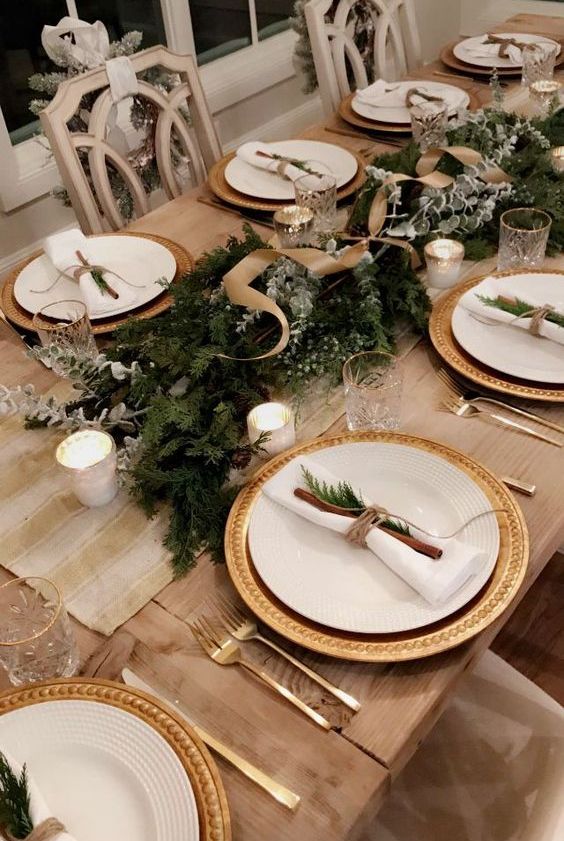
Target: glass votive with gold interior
x: 443, y: 258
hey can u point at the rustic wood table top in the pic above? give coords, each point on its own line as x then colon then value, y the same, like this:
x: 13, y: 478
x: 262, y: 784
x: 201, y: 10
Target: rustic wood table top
x: 341, y: 776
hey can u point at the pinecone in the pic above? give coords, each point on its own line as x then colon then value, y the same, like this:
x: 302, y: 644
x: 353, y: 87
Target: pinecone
x: 240, y: 458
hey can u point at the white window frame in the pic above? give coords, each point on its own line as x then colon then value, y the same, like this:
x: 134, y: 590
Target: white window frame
x: 27, y: 169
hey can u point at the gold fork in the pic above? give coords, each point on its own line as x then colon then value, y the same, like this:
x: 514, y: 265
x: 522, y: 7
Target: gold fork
x: 465, y: 410
x: 458, y: 391
x: 243, y: 628
x: 226, y: 652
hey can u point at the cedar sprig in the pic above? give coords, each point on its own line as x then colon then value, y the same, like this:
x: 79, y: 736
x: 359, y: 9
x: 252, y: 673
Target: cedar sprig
x: 519, y: 308
x: 14, y: 801
x: 344, y: 496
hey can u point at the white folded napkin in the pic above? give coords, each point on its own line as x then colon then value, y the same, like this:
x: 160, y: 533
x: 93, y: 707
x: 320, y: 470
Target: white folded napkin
x: 382, y: 94
x: 248, y: 153
x: 436, y: 581
x: 38, y: 809
x: 61, y: 249
x: 491, y: 287
x: 514, y: 54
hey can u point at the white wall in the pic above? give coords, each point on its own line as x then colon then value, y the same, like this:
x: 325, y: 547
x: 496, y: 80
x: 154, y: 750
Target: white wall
x: 478, y: 15
x: 439, y: 23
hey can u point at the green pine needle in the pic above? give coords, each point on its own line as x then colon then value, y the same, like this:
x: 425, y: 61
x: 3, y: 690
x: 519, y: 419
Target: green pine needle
x: 14, y: 801
x: 98, y: 279
x: 519, y: 308
x: 344, y: 496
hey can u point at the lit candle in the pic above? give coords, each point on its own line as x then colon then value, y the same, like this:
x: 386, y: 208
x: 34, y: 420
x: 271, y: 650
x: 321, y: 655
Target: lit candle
x: 557, y: 158
x: 293, y: 225
x: 544, y: 92
x: 443, y: 258
x: 277, y: 420
x: 89, y: 458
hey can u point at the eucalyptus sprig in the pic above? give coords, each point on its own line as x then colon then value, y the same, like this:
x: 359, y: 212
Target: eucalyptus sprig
x: 15, y: 815
x: 344, y: 496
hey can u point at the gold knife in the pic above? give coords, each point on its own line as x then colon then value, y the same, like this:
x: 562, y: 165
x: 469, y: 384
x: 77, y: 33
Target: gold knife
x: 279, y: 792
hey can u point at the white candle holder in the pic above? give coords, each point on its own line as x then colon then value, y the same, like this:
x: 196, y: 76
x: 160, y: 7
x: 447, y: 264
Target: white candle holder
x: 557, y: 158
x: 277, y: 419
x: 89, y: 459
x: 444, y: 259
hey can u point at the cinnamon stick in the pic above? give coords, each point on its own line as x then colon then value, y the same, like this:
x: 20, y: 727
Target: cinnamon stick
x: 426, y: 549
x: 109, y: 289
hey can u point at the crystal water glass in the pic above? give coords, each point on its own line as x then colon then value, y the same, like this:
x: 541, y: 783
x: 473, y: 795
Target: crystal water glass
x: 319, y: 193
x: 65, y: 325
x: 538, y: 62
x: 36, y: 639
x: 523, y: 236
x: 373, y: 383
x: 429, y: 122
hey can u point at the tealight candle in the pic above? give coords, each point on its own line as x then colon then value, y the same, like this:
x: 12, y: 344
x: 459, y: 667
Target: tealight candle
x: 443, y: 258
x: 89, y: 458
x: 293, y: 225
x: 544, y: 92
x: 557, y: 158
x: 278, y: 421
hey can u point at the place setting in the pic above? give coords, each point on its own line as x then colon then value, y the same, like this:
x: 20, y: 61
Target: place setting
x: 113, y: 276
x: 510, y: 53
x: 388, y: 106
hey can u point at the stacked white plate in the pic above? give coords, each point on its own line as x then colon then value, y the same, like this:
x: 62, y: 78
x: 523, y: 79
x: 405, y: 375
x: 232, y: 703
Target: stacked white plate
x: 507, y: 348
x: 317, y: 574
x: 105, y: 773
x: 262, y: 184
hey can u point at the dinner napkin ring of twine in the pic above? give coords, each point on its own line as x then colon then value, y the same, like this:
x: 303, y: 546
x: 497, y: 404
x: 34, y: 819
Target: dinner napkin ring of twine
x: 44, y: 831
x: 373, y: 515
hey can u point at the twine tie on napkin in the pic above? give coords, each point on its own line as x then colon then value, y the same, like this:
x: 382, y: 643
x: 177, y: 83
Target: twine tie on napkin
x: 504, y: 44
x: 537, y: 317
x: 45, y: 831
x: 412, y: 92
x: 371, y: 516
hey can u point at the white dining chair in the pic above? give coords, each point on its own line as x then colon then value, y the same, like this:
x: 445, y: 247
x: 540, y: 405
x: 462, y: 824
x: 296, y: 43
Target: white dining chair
x: 91, y: 197
x: 492, y: 769
x: 390, y: 26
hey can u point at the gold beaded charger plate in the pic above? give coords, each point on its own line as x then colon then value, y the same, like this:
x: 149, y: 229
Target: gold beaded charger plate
x: 224, y: 191
x: 448, y: 57
x: 20, y: 316
x: 114, y: 763
x: 469, y: 620
x: 444, y: 342
x: 350, y: 116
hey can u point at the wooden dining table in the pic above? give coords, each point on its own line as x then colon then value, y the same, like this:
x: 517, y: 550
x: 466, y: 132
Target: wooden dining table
x: 341, y: 776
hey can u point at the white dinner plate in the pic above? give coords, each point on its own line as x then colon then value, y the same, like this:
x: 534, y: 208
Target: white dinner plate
x: 102, y: 771
x: 463, y: 49
x: 509, y: 349
x: 262, y: 184
x: 457, y: 97
x: 138, y: 260
x: 316, y: 573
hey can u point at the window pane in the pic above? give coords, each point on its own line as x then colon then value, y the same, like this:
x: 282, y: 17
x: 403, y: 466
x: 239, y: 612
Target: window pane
x: 118, y: 18
x: 273, y: 16
x: 21, y: 55
x: 220, y: 27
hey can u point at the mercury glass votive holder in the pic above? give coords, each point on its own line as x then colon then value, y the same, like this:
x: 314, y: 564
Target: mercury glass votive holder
x: 275, y: 419
x: 543, y: 93
x: 293, y: 225
x: 443, y: 258
x: 89, y: 459
x: 557, y: 158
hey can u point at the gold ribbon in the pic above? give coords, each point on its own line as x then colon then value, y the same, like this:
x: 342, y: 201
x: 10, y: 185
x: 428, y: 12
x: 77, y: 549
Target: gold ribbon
x: 427, y: 175
x: 237, y: 282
